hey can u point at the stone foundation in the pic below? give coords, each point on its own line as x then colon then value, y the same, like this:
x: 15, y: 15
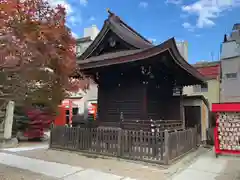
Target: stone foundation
x: 8, y: 143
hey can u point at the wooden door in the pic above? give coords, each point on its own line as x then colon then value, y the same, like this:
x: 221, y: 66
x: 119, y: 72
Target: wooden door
x: 192, y: 116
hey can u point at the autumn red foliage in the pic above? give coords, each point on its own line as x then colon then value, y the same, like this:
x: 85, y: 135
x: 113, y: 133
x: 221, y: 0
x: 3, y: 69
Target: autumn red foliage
x: 37, y: 54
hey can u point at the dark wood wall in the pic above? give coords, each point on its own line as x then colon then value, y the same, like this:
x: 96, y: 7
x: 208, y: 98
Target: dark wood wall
x: 137, y: 102
x: 128, y: 100
x: 161, y: 104
x: 124, y: 90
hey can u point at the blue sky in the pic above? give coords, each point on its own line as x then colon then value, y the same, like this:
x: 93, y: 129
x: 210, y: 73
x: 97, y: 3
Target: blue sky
x: 202, y: 23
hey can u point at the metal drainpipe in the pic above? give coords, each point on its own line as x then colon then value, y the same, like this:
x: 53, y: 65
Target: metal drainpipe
x: 220, y: 81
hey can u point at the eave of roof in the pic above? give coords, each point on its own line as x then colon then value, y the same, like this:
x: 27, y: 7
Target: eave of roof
x: 232, y: 57
x: 84, y: 39
x: 136, y: 55
x: 201, y: 97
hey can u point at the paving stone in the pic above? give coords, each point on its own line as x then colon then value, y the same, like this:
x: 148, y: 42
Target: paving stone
x: 93, y: 175
x: 11, y: 173
x: 39, y: 166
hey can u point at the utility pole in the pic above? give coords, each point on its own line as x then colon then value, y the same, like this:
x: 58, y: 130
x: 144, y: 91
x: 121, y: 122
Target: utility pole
x: 212, y: 56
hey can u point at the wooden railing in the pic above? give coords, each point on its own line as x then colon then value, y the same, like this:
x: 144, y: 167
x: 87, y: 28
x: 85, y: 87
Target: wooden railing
x: 180, y: 142
x: 157, y: 147
x: 145, y: 125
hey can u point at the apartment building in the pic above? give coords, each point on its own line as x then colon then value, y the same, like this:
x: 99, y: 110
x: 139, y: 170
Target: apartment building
x: 230, y: 66
x: 183, y: 49
x: 211, y: 90
x: 89, y: 35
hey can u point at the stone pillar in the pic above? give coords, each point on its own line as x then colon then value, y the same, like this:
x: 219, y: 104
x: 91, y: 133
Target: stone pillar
x: 8, y: 122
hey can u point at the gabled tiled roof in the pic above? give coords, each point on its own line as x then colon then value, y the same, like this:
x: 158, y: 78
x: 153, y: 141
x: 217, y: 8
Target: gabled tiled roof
x: 142, y: 49
x: 141, y: 54
x: 210, y: 70
x: 122, y: 30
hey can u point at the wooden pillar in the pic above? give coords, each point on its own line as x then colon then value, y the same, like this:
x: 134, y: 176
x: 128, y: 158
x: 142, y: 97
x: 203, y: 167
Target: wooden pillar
x: 102, y: 104
x: 182, y: 117
x: 144, y: 104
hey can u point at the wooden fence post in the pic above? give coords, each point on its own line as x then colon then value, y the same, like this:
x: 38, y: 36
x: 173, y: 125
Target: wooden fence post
x: 166, y: 144
x: 192, y: 137
x: 177, y: 142
x: 50, y: 140
x: 197, y: 137
x: 141, y: 143
x: 78, y: 139
x: 64, y: 132
x: 98, y: 140
x: 119, y: 150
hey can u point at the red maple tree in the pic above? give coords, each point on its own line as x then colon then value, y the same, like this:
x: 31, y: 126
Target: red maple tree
x: 37, y: 54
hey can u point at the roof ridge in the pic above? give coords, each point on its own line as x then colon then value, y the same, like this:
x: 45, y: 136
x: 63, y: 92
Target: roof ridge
x: 117, y: 18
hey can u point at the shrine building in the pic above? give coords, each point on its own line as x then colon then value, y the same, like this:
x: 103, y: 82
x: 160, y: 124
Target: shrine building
x: 136, y: 79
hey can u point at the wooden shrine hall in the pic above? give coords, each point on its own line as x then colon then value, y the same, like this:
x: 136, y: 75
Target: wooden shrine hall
x: 136, y: 79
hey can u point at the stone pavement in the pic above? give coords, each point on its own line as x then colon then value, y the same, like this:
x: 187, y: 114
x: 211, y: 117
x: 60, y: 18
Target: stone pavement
x: 47, y: 164
x: 11, y: 173
x: 107, y: 165
x: 56, y: 170
x: 208, y: 167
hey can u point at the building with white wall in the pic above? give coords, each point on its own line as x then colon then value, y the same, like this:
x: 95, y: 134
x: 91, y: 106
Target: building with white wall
x: 89, y: 35
x: 183, y: 49
x: 210, y: 90
x: 91, y: 32
x: 230, y: 66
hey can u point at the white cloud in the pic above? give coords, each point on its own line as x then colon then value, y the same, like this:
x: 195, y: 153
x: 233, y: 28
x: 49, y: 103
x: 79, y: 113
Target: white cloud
x: 84, y: 2
x: 143, y: 4
x: 208, y: 10
x: 72, y: 20
x: 176, y: 2
x: 179, y: 40
x: 63, y: 3
x: 75, y: 19
x: 92, y: 18
x: 75, y: 35
x: 188, y: 26
x: 152, y: 40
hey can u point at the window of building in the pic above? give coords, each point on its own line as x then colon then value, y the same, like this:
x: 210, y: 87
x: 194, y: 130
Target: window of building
x: 197, y: 88
x: 204, y: 87
x: 75, y: 111
x: 78, y: 50
x: 231, y: 75
x: 200, y: 88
